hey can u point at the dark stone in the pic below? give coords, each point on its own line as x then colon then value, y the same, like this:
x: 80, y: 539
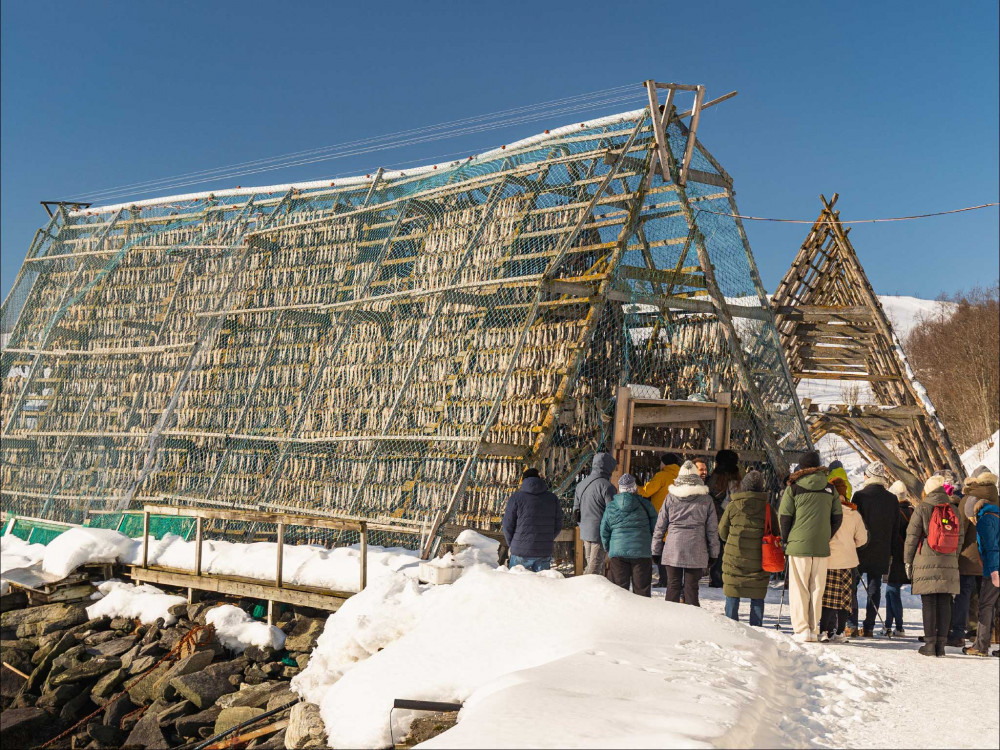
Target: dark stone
x: 104, y: 735
x: 107, y: 686
x: 153, y: 633
x: 255, y: 675
x: 275, y: 742
x: 55, y: 698
x: 77, y: 707
x: 144, y: 690
x: 151, y: 649
x: 254, y: 696
x: 188, y: 726
x: 140, y: 664
x: 101, y: 636
x: 302, y: 660
x: 193, y: 663
x: 122, y: 623
x: 23, y: 700
x: 290, y: 672
x: 231, y: 717
x: 281, y: 699
x: 173, y: 712
x: 99, y: 623
x: 260, y: 654
x: 304, y: 635
x: 70, y: 658
x: 205, y: 687
x: 178, y: 610
x: 115, y: 646
x: 147, y: 733
x: 196, y: 611
x: 170, y: 637
x: 88, y: 670
x: 117, y: 709
x: 37, y: 677
x: 49, y: 618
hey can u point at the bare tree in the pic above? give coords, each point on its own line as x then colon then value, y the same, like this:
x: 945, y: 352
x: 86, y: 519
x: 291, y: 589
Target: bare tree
x: 955, y: 353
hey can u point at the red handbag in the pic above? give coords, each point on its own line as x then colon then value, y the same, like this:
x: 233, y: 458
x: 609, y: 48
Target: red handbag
x: 772, y: 556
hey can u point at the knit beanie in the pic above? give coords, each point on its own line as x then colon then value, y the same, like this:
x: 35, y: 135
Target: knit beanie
x: 898, y: 489
x: 670, y: 459
x: 688, y: 476
x: 626, y: 483
x: 876, y: 469
x: 752, y: 482
x: 835, y: 465
x: 810, y: 460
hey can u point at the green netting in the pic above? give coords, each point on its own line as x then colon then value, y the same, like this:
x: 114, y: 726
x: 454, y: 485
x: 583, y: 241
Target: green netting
x: 34, y: 530
x: 395, y: 350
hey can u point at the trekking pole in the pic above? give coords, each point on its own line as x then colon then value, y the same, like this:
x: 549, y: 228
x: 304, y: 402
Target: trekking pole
x: 784, y: 585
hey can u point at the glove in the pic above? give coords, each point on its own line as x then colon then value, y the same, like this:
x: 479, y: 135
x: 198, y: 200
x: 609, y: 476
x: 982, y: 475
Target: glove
x: 576, y: 515
x: 909, y: 570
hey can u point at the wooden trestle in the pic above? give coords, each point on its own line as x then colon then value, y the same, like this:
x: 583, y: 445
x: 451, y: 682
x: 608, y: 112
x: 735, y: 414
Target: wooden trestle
x: 833, y: 328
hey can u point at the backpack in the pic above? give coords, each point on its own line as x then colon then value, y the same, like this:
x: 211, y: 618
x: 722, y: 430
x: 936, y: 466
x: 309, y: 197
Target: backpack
x: 942, y: 531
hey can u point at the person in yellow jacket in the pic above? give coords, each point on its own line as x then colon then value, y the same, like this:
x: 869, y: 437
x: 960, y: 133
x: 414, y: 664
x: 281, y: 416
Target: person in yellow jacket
x: 835, y: 470
x: 655, y: 490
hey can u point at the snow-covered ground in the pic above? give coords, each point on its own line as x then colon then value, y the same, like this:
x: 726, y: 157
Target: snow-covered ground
x: 541, y: 661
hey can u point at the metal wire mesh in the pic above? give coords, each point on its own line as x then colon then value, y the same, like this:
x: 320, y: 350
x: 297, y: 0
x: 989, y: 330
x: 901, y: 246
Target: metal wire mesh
x: 395, y: 351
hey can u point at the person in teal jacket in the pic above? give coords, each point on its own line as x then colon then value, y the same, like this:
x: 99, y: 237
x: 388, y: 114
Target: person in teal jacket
x: 627, y: 535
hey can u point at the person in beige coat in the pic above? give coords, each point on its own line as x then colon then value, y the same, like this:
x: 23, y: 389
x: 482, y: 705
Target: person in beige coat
x: 844, y: 545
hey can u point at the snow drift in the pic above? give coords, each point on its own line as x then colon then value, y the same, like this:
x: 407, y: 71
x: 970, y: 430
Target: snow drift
x: 514, y: 646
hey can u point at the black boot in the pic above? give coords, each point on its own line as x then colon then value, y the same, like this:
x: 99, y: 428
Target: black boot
x: 928, y: 649
x: 939, y: 646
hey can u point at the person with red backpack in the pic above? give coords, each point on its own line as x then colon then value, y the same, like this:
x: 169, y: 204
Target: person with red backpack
x: 931, y: 552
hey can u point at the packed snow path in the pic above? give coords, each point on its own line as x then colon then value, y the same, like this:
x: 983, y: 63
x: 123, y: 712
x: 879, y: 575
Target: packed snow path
x: 913, y: 690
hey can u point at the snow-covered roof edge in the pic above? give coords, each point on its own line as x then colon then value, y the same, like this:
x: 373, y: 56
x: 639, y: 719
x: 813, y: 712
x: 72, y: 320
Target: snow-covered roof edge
x: 362, y: 179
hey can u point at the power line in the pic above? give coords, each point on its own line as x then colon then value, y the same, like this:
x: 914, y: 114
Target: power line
x: 845, y: 221
x: 463, y: 126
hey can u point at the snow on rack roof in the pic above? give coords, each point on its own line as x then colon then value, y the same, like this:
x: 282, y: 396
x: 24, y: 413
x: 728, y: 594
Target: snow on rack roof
x: 363, y: 179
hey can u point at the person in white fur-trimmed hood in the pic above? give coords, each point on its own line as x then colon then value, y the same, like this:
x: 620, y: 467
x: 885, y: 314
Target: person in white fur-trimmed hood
x: 687, y: 519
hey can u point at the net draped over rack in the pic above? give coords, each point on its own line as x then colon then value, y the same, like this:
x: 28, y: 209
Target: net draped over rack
x: 396, y: 350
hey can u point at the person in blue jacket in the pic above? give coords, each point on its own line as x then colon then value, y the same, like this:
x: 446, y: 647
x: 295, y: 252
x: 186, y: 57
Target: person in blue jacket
x: 532, y: 522
x: 983, y: 508
x: 627, y: 535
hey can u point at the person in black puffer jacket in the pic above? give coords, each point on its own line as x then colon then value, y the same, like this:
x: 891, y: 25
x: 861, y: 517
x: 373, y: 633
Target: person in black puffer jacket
x: 531, y: 523
x: 897, y: 571
x: 879, y: 509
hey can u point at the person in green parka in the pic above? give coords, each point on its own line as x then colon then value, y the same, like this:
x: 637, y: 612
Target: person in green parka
x: 742, y: 530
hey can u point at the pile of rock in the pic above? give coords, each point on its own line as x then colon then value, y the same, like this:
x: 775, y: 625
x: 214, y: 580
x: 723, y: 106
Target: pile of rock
x: 155, y: 691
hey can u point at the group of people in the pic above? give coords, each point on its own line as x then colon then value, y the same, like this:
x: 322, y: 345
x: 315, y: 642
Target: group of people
x: 685, y: 521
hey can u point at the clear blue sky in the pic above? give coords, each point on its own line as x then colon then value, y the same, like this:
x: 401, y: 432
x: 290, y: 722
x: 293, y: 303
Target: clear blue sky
x: 893, y: 105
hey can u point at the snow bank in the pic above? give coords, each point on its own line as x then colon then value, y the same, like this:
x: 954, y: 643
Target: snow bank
x: 17, y: 553
x: 986, y: 453
x: 81, y: 545
x: 538, y: 660
x: 338, y: 569
x: 145, y: 602
x: 236, y: 629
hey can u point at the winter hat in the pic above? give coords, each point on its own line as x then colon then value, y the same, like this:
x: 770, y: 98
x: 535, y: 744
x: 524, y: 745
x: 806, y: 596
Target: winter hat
x: 898, y: 489
x: 528, y: 473
x: 727, y: 459
x: 810, y: 460
x: 670, y: 459
x: 935, y: 482
x: 626, y: 483
x: 752, y: 482
x: 835, y: 465
x: 876, y: 469
x: 688, y: 482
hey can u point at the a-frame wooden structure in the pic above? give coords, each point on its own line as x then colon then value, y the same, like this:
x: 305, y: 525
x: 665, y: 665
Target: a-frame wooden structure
x: 833, y: 328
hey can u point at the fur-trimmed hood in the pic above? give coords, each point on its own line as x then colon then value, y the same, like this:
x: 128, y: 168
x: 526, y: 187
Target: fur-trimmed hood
x: 984, y: 479
x: 687, y: 490
x: 876, y: 480
x: 797, y: 475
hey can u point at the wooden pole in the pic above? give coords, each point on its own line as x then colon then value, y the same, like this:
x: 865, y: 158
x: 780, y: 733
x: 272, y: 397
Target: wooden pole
x: 198, y: 535
x: 364, y: 555
x: 145, y: 539
x: 281, y: 555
